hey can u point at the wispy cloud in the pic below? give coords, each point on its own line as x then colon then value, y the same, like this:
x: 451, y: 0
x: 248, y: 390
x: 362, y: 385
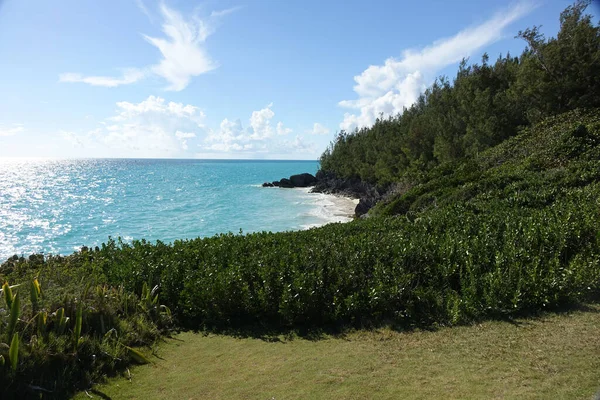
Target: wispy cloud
x: 388, y: 88
x: 222, y: 13
x: 184, y: 55
x: 129, y: 76
x: 13, y: 130
x: 142, y: 6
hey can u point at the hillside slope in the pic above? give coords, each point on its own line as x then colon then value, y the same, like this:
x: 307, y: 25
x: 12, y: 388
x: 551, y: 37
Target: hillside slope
x: 532, y: 170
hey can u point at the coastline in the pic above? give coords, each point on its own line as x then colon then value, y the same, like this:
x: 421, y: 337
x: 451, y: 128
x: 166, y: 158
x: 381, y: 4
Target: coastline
x: 326, y: 208
x: 331, y: 199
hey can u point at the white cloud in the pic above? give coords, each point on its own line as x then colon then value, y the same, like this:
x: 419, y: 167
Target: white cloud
x: 319, y: 129
x: 298, y: 145
x: 386, y: 89
x: 260, y: 121
x: 281, y: 130
x: 185, y: 135
x: 150, y: 128
x: 73, y: 138
x: 129, y: 76
x: 13, y: 130
x: 183, y: 53
x: 222, y: 13
x: 158, y: 128
x: 227, y: 138
x: 157, y: 105
x: 143, y: 9
x: 258, y: 138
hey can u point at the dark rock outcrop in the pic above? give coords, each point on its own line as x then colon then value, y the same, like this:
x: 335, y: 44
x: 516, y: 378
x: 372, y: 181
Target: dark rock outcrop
x: 368, y: 194
x: 299, y: 180
x: 303, y: 180
x: 351, y: 187
x: 285, y: 183
x: 364, y: 205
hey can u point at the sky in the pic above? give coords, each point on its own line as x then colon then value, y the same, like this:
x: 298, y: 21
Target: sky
x: 231, y: 79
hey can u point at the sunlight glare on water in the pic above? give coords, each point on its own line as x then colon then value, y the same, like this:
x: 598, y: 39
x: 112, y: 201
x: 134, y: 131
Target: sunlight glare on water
x: 57, y: 206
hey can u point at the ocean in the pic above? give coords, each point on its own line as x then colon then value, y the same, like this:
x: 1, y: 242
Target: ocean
x: 58, y: 206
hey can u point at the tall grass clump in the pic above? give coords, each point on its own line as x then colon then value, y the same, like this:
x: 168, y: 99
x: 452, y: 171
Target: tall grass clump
x: 61, y: 340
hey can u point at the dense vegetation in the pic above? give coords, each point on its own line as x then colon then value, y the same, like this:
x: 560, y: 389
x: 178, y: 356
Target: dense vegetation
x: 484, y: 105
x: 491, y: 217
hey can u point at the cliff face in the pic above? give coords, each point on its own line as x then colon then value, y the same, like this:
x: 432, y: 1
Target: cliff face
x: 368, y: 194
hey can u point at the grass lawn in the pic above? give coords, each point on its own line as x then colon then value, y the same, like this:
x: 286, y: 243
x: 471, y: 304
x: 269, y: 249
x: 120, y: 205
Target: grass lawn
x: 556, y: 356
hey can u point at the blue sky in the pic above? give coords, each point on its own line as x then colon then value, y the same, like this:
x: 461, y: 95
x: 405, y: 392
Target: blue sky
x: 233, y: 78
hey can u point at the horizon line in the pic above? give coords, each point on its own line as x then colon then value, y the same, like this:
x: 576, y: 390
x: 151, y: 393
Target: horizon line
x: 2, y: 158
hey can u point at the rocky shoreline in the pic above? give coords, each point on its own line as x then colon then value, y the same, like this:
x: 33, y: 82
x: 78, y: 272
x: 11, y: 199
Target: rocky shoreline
x: 328, y: 183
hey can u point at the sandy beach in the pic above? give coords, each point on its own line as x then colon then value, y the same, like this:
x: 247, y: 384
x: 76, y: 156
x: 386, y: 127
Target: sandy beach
x: 328, y: 208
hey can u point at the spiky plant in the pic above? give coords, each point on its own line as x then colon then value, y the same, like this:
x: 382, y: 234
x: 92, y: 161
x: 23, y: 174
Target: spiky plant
x: 78, y: 322
x: 35, y: 294
x: 13, y: 352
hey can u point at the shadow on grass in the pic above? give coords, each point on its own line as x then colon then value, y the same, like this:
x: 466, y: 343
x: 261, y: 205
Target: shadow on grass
x: 526, y: 317
x: 277, y: 334
x: 274, y: 333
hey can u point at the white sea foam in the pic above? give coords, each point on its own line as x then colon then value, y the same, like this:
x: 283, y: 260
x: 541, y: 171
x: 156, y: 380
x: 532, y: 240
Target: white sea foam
x: 325, y: 209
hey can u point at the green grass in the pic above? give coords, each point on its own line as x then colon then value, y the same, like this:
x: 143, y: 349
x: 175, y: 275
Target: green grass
x: 551, y: 357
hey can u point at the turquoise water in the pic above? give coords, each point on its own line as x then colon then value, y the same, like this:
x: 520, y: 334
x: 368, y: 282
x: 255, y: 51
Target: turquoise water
x: 57, y: 206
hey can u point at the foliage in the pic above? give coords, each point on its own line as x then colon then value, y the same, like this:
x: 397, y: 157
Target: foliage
x: 530, y: 170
